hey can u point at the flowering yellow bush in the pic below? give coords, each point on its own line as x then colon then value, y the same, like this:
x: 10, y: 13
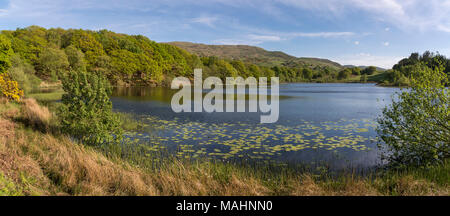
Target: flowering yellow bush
x: 9, y: 88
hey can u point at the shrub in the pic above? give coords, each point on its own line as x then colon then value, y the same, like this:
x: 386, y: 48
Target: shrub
x: 86, y: 112
x: 26, y: 81
x: 344, y: 74
x: 24, y: 74
x: 52, y: 63
x: 369, y: 70
x: 5, y: 53
x: 10, y: 88
x: 356, y: 71
x: 416, y: 127
x: 363, y: 78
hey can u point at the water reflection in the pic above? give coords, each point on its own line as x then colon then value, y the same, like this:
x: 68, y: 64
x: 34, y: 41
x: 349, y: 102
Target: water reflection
x: 332, y: 123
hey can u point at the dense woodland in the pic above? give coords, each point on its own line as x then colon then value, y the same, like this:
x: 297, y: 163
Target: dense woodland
x: 38, y: 54
x: 46, y: 54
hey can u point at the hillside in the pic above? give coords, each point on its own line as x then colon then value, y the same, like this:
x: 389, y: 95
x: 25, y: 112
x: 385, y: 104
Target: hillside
x: 363, y: 67
x: 38, y: 54
x: 43, y: 54
x: 255, y: 55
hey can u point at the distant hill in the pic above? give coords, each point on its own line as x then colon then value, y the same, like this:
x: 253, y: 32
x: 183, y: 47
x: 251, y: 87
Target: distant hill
x: 137, y: 60
x: 254, y: 55
x: 363, y: 67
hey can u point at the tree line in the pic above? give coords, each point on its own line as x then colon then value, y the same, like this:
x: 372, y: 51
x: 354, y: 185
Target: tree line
x: 404, y: 70
x: 48, y: 54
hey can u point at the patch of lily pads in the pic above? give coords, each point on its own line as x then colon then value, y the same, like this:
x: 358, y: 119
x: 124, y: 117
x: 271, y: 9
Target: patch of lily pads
x: 191, y: 139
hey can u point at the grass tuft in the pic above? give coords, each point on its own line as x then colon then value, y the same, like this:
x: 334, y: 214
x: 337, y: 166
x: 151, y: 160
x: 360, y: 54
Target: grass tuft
x: 34, y: 114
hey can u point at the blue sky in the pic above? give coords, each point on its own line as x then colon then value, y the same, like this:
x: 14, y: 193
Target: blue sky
x: 359, y: 32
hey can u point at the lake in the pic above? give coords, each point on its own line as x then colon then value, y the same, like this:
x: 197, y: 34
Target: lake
x: 331, y: 124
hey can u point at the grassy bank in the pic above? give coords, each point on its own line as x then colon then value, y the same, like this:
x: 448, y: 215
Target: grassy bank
x: 53, y: 95
x: 36, y: 160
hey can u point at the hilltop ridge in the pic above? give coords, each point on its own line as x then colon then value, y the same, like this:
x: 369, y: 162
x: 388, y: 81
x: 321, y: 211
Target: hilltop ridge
x: 255, y: 55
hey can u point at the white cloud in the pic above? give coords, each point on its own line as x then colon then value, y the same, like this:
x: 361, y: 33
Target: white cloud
x: 236, y: 42
x: 264, y: 37
x: 270, y: 36
x: 206, y: 20
x: 386, y: 43
x: 444, y: 28
x: 320, y: 34
x: 366, y: 59
x: 356, y: 43
x: 406, y: 14
x: 387, y: 29
x: 250, y: 39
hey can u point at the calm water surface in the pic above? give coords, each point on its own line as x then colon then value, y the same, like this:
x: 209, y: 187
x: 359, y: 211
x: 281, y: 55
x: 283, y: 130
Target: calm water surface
x: 318, y: 123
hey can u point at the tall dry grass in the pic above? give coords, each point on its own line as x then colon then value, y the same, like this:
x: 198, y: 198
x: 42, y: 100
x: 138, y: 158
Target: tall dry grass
x: 59, y: 166
x: 36, y: 115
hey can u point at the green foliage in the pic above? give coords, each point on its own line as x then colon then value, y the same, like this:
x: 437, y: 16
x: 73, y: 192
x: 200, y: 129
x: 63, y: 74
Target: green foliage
x: 52, y: 63
x: 104, y: 66
x: 136, y: 60
x: 9, y: 87
x: 344, y: 74
x: 8, y: 187
x: 47, y: 96
x: 5, y: 54
x: 240, y: 66
x: 255, y: 55
x: 222, y: 68
x: 402, y: 71
x: 86, y: 42
x: 285, y: 74
x: 28, y: 42
x: 369, y: 70
x: 356, y: 71
x: 363, y: 78
x: 75, y: 58
x: 416, y: 127
x: 227, y: 70
x: 307, y: 73
x: 178, y: 60
x: 397, y: 78
x: 254, y: 71
x: 267, y: 72
x: 24, y: 74
x: 430, y: 59
x: 140, y: 65
x: 86, y: 113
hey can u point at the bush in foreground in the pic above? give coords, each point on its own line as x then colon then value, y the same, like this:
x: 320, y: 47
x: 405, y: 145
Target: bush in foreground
x: 415, y: 129
x: 10, y: 88
x: 86, y: 112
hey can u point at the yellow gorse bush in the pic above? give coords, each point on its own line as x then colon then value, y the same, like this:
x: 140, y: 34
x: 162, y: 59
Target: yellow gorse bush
x: 10, y: 88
